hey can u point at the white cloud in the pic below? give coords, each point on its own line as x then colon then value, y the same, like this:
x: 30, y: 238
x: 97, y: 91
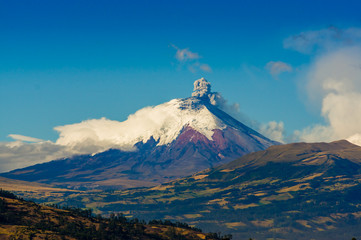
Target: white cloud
x: 276, y: 68
x: 325, y: 39
x: 355, y: 139
x: 185, y: 55
x: 19, y: 154
x: 314, y: 133
x: 205, y: 67
x: 190, y: 60
x: 24, y: 138
x: 336, y: 79
x: 333, y: 82
x: 97, y: 135
x: 273, y: 130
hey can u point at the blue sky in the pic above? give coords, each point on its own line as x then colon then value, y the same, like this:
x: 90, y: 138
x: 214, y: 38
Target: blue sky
x: 62, y: 62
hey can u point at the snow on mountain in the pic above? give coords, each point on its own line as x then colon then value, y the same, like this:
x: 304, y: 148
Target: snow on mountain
x: 154, y: 145
x: 163, y: 122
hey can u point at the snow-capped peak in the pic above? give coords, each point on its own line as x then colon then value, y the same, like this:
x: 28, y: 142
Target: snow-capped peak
x: 163, y: 122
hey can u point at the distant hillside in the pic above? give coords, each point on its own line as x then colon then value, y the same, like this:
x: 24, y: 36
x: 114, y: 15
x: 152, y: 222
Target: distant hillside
x: 294, y: 191
x: 21, y: 219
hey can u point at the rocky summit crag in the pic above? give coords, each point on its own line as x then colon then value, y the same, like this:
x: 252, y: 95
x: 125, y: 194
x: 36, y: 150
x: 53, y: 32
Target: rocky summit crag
x: 188, y: 135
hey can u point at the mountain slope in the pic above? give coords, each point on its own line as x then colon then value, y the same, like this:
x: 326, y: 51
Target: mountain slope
x: 186, y: 136
x: 20, y: 219
x: 293, y: 191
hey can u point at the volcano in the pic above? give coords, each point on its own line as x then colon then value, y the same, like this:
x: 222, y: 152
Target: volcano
x: 154, y: 145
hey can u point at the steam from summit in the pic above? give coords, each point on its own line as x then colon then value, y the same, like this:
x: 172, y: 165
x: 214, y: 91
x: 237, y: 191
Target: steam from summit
x: 202, y: 90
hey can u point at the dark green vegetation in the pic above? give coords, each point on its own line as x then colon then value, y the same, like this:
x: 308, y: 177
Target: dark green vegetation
x: 20, y: 219
x: 294, y: 191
